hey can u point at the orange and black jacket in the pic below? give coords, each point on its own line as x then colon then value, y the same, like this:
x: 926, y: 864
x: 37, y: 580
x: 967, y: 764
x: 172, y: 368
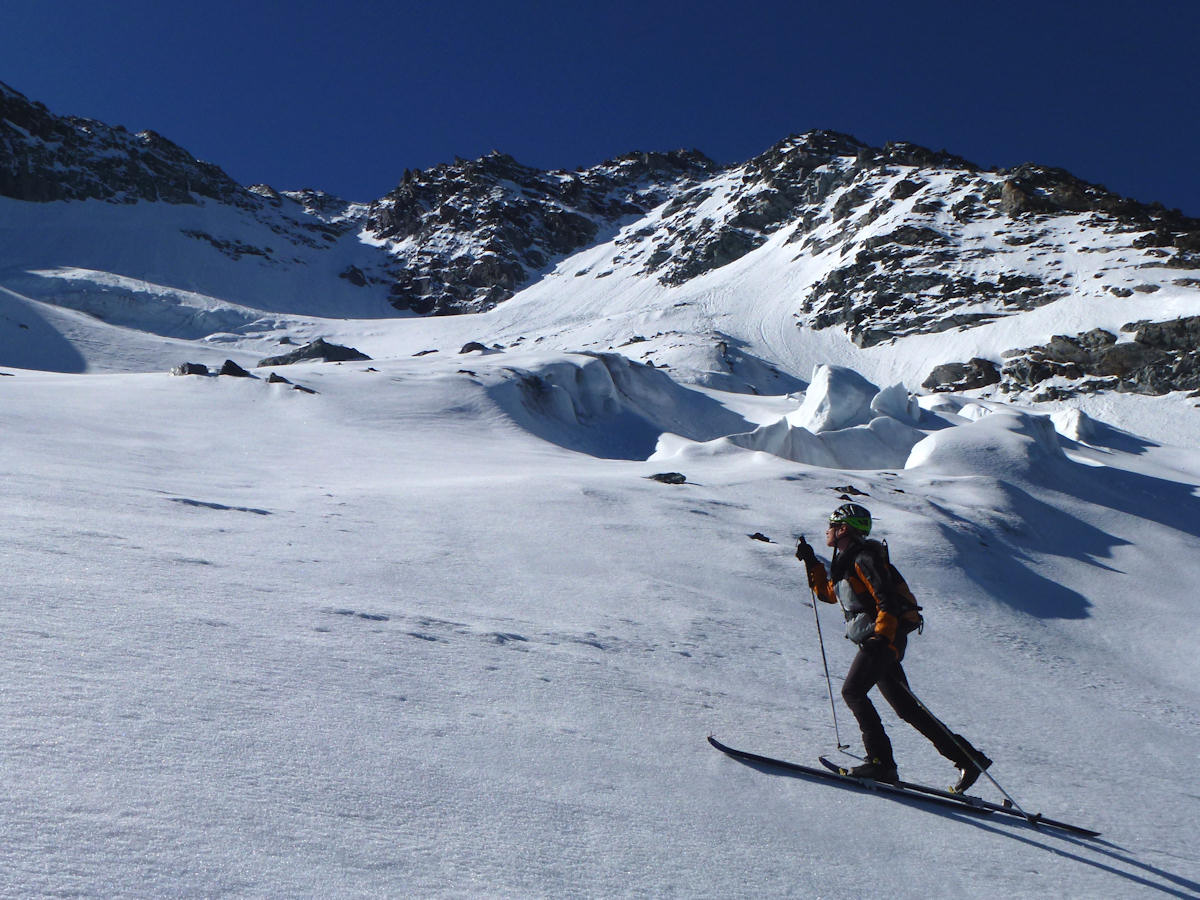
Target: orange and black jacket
x: 872, y: 594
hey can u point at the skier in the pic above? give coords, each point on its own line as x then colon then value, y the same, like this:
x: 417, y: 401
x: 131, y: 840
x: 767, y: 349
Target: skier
x: 880, y: 613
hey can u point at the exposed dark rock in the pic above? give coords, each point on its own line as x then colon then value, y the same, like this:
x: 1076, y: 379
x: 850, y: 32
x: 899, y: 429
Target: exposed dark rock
x: 902, y: 153
x: 905, y: 189
x: 232, y: 368
x: 190, y: 369
x: 851, y: 490
x: 473, y: 347
x: 320, y: 349
x: 969, y: 208
x: 520, y: 221
x: 908, y: 236
x: 45, y: 157
x: 1183, y: 260
x: 1032, y: 188
x: 232, y: 248
x: 1159, y: 237
x: 1181, y: 334
x: 276, y: 378
x: 1125, y: 359
x: 1162, y: 357
x: 669, y: 477
x: 712, y: 252
x: 776, y: 189
x: 967, y: 376
x: 908, y: 282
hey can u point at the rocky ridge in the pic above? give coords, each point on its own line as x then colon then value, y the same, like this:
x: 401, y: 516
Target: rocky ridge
x: 893, y: 241
x: 467, y: 236
x: 45, y: 157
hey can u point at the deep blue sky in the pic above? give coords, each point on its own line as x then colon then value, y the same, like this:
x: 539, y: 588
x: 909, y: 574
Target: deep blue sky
x: 345, y: 95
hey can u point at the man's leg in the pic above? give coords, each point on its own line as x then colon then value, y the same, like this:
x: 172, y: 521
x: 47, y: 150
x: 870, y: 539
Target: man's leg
x: 893, y: 685
x: 863, y: 675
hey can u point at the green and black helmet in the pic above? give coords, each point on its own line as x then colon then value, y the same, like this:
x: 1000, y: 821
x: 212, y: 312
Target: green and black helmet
x: 854, y: 516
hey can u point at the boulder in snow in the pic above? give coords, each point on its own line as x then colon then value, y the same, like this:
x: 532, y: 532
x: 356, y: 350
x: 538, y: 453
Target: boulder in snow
x: 669, y: 477
x: 320, y: 349
x: 188, y: 368
x: 975, y: 373
x: 232, y: 368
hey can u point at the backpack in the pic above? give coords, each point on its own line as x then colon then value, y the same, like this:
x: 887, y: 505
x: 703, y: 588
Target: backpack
x: 910, y: 616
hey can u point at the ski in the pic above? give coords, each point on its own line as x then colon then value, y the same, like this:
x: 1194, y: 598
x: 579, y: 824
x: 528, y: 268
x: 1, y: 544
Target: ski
x: 1004, y: 809
x: 881, y: 787
x: 968, y: 799
x: 920, y: 793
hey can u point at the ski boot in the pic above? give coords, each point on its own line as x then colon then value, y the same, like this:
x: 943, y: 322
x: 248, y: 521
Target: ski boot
x: 969, y: 772
x: 876, y: 770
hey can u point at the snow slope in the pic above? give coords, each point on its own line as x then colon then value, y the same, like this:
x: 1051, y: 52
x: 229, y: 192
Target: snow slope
x: 431, y: 631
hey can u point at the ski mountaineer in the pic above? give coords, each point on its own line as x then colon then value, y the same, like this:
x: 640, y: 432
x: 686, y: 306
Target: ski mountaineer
x: 880, y: 613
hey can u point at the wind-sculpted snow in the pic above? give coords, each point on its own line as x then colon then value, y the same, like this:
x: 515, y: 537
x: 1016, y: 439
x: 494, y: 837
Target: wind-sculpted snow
x: 841, y: 423
x: 1002, y: 443
x: 607, y: 406
x: 897, y: 403
x: 836, y: 398
x: 140, y: 305
x: 882, y: 443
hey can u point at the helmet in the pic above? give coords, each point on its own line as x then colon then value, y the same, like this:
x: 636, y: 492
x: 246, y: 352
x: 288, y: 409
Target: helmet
x: 854, y: 516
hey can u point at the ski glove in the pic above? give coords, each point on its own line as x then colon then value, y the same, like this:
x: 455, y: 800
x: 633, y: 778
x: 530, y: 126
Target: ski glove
x: 805, y: 553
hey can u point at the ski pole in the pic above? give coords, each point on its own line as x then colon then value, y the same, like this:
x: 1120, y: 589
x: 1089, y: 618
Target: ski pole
x: 828, y: 682
x: 825, y: 662
x: 969, y: 755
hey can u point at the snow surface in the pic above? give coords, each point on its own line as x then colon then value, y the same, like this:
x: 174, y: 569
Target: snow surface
x: 433, y: 631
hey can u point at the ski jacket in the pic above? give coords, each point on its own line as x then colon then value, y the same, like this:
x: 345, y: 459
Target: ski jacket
x: 867, y: 587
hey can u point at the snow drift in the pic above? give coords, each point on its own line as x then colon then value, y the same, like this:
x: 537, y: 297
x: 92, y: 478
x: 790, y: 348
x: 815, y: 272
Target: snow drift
x: 843, y: 422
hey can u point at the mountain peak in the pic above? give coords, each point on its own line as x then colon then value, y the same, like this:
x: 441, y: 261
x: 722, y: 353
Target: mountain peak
x: 882, y: 243
x: 45, y: 157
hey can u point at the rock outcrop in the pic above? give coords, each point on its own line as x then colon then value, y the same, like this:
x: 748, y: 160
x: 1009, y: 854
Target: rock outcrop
x: 44, y: 157
x: 467, y: 236
x: 320, y: 349
x: 1159, y: 357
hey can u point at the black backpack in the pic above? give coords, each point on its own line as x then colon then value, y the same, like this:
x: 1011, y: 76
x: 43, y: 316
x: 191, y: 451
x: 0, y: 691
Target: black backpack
x: 910, y: 611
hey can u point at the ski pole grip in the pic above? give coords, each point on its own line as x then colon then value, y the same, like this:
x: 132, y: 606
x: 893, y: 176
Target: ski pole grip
x: 804, y: 552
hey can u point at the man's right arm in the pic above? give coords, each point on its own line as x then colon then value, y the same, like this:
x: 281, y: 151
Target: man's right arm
x: 818, y: 578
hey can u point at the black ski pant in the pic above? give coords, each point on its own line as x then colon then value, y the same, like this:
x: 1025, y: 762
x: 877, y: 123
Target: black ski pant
x: 876, y: 666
